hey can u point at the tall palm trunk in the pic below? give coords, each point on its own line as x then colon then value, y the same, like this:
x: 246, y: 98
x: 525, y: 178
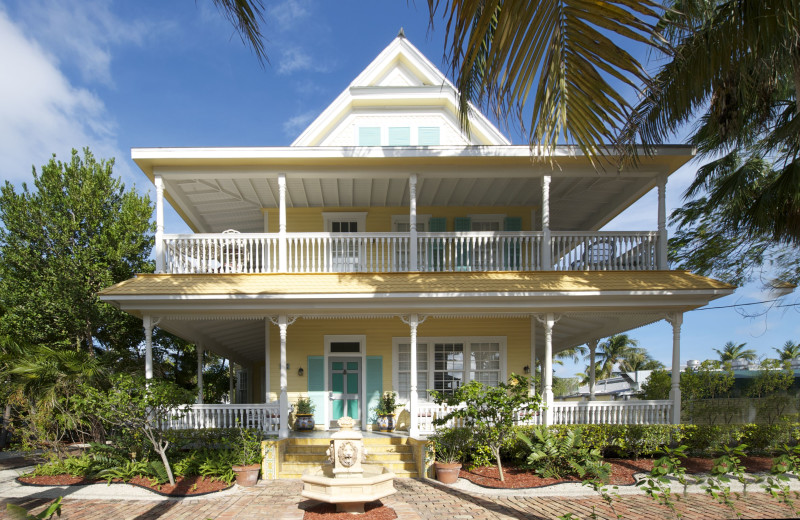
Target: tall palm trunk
x: 5, y: 432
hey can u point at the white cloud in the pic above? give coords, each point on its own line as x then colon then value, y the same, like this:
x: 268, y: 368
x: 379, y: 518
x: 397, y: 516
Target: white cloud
x: 286, y: 14
x: 294, y: 60
x: 41, y: 112
x: 293, y: 126
x: 82, y: 33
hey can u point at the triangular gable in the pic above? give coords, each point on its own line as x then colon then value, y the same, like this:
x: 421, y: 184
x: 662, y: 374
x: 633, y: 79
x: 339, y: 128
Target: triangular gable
x: 401, y: 87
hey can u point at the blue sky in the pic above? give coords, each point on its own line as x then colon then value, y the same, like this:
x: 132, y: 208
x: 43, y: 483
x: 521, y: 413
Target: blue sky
x: 116, y: 75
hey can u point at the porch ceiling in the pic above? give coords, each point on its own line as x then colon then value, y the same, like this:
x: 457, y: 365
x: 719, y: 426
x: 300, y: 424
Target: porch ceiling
x: 228, y: 189
x: 228, y: 312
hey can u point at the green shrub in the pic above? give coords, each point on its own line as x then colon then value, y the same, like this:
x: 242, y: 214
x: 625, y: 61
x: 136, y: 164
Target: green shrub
x: 553, y: 456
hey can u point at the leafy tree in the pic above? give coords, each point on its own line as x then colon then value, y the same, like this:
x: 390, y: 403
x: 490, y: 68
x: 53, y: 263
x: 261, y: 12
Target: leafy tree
x: 712, y: 379
x: 657, y: 386
x: 139, y: 408
x: 558, y: 61
x: 770, y: 389
x: 735, y: 70
x: 76, y: 233
x: 733, y: 352
x: 789, y: 351
x: 490, y: 411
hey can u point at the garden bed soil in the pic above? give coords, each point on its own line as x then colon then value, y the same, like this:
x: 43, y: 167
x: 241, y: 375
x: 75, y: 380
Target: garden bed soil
x: 184, y: 486
x: 622, y: 471
x: 372, y: 511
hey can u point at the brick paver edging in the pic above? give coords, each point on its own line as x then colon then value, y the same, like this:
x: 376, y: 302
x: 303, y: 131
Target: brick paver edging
x: 415, y: 500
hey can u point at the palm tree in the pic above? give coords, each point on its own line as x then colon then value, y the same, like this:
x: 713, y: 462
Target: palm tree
x: 614, y: 350
x: 639, y: 360
x: 789, y: 351
x: 573, y: 354
x: 731, y: 352
x: 247, y: 16
x: 736, y: 70
x: 557, y: 54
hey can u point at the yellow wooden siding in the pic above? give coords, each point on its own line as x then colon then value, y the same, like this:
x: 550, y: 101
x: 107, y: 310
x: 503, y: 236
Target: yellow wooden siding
x: 307, y: 338
x: 379, y: 219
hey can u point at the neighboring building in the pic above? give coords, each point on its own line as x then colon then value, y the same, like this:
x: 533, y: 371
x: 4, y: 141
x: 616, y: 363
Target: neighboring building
x: 620, y: 386
x: 387, y: 248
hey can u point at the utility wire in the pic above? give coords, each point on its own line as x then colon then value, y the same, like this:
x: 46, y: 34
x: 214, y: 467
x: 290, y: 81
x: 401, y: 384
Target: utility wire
x: 750, y: 303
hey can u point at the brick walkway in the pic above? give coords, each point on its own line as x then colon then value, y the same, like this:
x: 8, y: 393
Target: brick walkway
x: 415, y: 500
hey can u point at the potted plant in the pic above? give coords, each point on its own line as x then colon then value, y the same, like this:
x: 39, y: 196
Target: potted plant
x: 448, y: 445
x: 249, y: 458
x: 304, y: 414
x: 385, y: 411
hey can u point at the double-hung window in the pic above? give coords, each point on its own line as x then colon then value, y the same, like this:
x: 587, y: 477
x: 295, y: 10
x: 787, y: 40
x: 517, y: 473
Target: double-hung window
x: 445, y: 364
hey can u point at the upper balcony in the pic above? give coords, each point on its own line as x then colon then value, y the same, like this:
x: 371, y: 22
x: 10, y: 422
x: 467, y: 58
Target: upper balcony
x: 234, y: 252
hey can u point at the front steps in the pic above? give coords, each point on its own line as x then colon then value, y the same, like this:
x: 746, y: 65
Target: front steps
x: 394, y: 453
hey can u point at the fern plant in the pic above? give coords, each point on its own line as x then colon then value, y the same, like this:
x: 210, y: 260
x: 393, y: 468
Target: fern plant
x: 552, y: 456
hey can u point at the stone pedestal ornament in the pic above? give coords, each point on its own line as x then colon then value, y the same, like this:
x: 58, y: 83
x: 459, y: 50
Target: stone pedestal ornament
x: 347, y: 481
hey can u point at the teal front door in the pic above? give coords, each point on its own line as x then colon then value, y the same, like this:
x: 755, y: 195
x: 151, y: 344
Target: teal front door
x: 344, y: 375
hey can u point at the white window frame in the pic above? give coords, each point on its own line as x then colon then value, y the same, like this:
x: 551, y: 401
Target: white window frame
x: 359, y: 217
x: 496, y: 217
x: 406, y: 219
x: 431, y: 342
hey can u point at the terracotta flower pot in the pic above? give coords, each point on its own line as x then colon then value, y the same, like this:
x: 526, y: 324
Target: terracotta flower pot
x: 447, y: 473
x: 247, y: 476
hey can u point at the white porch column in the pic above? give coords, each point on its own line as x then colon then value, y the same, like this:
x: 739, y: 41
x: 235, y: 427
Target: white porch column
x: 159, y: 224
x: 283, y: 324
x: 547, y: 368
x: 547, y: 261
x: 592, y: 364
x: 231, y: 397
x: 661, y: 258
x: 200, y: 353
x: 266, y: 361
x: 413, y: 431
x: 282, y: 242
x: 533, y: 353
x: 148, y: 346
x: 412, y: 222
x: 676, y: 319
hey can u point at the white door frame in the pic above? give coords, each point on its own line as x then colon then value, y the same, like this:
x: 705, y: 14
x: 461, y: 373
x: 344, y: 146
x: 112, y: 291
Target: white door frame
x: 336, y: 338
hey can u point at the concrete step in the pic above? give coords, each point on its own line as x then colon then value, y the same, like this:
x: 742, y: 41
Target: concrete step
x: 314, y: 449
x: 296, y: 469
x: 373, y: 458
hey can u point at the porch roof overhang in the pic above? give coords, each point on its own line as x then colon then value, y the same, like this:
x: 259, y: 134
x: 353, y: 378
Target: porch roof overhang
x: 214, y: 189
x: 226, y: 311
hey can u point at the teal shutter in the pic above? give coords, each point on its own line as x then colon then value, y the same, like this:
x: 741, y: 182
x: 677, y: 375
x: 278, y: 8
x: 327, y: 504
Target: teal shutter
x: 399, y: 136
x: 369, y: 136
x: 428, y: 136
x: 436, y: 246
x: 512, y: 250
x: 463, y: 248
x: 316, y: 386
x: 374, y: 386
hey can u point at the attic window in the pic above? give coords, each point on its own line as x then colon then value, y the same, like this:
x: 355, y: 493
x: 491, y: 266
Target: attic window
x: 369, y: 136
x: 428, y: 136
x: 399, y: 136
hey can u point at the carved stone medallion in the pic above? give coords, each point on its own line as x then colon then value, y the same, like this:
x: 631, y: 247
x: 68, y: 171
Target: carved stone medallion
x: 347, y: 454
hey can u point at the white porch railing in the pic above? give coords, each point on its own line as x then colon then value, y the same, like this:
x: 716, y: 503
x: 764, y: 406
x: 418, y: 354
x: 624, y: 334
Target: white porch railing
x: 347, y: 252
x: 480, y: 251
x: 566, y: 412
x: 391, y: 252
x: 265, y: 417
x: 604, y: 251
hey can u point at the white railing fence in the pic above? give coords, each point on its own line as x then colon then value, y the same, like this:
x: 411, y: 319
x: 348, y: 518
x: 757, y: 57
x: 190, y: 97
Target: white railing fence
x: 347, y: 252
x: 477, y: 251
x: 604, y: 251
x: 566, y: 412
x: 265, y: 417
x: 480, y: 251
x: 221, y: 253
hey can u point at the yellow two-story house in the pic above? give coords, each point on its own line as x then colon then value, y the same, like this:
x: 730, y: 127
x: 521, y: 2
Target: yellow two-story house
x: 388, y: 249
